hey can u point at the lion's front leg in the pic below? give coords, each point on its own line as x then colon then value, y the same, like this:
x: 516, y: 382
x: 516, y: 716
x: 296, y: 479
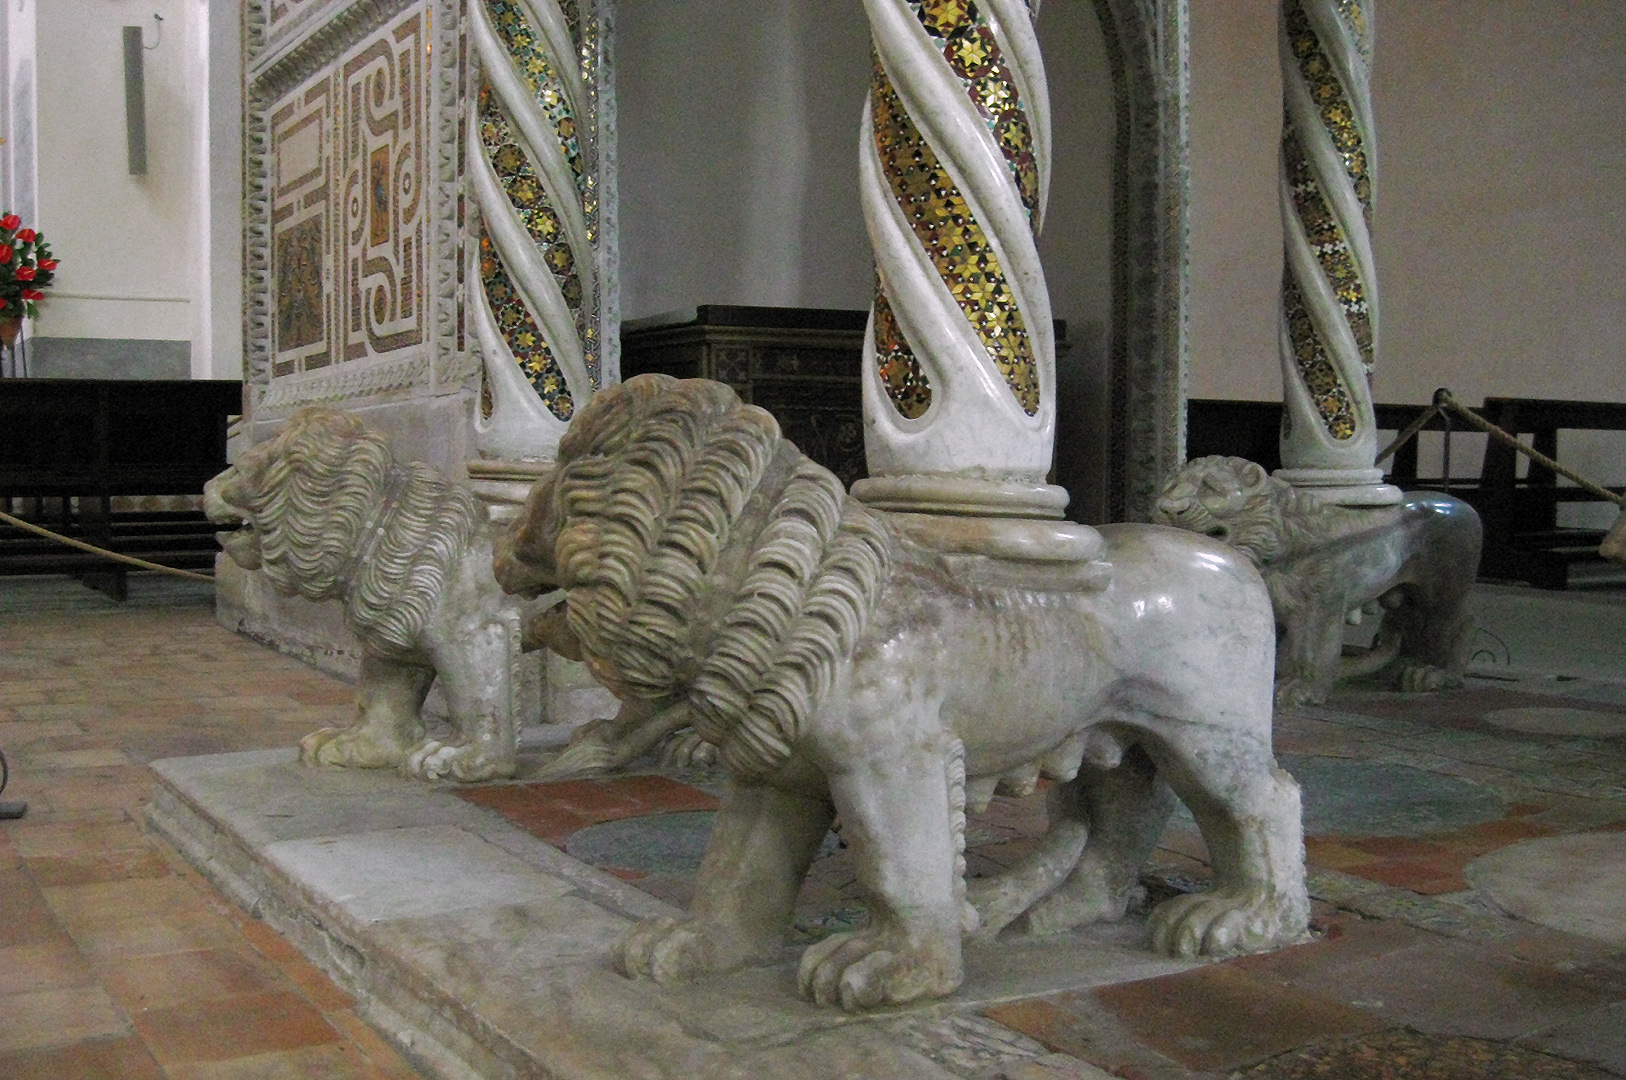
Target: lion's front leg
x: 894, y: 809
x: 762, y: 843
x: 389, y: 705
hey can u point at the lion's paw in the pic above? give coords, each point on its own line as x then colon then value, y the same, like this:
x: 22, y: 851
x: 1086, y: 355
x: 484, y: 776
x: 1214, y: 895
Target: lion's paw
x: 687, y: 750
x: 872, y: 967
x: 1220, y: 924
x: 464, y: 762
x: 1413, y: 677
x: 666, y: 950
x: 353, y: 747
x: 1294, y: 691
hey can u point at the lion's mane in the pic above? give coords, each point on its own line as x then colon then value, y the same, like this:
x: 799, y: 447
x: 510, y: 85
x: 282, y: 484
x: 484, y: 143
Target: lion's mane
x: 1237, y: 501
x: 337, y: 517
x: 707, y: 562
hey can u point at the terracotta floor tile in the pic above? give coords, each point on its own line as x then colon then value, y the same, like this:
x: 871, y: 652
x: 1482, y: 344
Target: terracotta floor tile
x: 315, y: 984
x: 35, y: 840
x: 25, y: 917
x: 104, y: 903
x: 99, y: 1059
x: 1221, y: 1017
x: 1345, y: 939
x: 1456, y: 987
x: 232, y: 1028
x: 383, y: 1056
x: 125, y: 864
x: 1332, y: 854
x: 164, y: 980
x: 53, y: 964
x: 58, y: 1017
x: 1425, y: 877
x: 158, y: 932
x: 335, y: 1061
x: 272, y: 945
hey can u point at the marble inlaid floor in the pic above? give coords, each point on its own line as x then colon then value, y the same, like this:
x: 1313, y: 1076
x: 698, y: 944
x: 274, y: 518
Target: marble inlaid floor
x: 1465, y: 852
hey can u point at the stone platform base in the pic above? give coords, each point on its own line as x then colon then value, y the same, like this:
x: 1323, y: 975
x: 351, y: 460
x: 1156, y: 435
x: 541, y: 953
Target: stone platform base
x: 481, y: 951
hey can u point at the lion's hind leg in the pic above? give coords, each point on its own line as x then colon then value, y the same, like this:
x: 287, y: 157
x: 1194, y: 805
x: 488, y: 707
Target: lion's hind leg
x: 1249, y: 814
x: 475, y: 678
x: 389, y: 705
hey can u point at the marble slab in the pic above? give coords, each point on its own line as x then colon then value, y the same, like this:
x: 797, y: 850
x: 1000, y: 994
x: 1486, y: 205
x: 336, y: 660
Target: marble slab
x: 481, y: 951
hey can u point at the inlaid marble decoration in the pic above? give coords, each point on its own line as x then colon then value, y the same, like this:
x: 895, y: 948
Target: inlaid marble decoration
x: 1329, y: 302
x: 953, y: 174
x: 348, y: 215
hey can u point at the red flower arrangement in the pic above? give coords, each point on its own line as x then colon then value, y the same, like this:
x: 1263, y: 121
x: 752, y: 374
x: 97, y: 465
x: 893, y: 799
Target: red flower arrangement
x: 26, y: 267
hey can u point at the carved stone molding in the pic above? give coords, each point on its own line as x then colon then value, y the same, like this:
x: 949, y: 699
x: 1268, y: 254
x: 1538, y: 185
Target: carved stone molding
x: 1147, y: 46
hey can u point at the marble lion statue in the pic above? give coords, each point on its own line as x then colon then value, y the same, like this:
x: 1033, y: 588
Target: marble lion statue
x: 327, y: 513
x: 1412, y: 565
x: 892, y: 669
x: 1614, y: 544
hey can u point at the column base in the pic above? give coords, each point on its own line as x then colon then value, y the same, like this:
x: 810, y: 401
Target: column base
x: 501, y: 486
x: 1344, y: 487
x: 962, y: 496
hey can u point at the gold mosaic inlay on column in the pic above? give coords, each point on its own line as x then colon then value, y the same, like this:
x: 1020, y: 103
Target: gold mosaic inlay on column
x: 523, y: 45
x: 529, y: 199
x: 1320, y: 375
x: 906, y: 384
x: 1331, y: 100
x: 954, y: 241
x: 972, y: 51
x: 519, y: 329
x: 1327, y: 240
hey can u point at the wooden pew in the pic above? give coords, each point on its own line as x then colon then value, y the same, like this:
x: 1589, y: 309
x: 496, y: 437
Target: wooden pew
x: 69, y: 446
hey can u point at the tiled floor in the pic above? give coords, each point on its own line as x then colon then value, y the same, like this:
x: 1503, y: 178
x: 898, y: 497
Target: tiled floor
x: 116, y: 961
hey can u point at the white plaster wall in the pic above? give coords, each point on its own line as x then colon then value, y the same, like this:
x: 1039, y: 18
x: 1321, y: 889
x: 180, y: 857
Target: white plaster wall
x: 129, y: 245
x: 738, y: 154
x: 1499, y: 225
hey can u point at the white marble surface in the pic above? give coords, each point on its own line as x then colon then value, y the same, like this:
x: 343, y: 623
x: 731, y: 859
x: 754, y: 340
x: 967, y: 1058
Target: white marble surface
x: 1574, y: 883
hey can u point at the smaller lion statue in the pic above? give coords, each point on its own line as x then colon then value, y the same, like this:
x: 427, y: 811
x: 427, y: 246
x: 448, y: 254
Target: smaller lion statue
x: 1412, y: 565
x: 327, y: 513
x: 1614, y: 544
x: 893, y: 670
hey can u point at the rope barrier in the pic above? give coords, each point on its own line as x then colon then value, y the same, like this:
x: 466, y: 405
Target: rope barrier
x: 28, y: 526
x: 1445, y: 401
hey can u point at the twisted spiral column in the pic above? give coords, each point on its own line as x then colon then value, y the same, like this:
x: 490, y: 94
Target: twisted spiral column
x: 959, y: 360
x: 531, y: 299
x: 1329, y: 308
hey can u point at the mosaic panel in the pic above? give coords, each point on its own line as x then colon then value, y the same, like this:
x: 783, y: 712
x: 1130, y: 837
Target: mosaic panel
x: 954, y: 240
x: 301, y: 254
x: 972, y: 50
x: 525, y: 340
x: 348, y: 217
x: 1320, y: 375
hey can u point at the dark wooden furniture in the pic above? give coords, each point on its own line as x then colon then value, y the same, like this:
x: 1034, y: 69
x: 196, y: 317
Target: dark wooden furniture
x: 1522, y: 512
x: 801, y: 364
x: 69, y: 446
x: 1523, y: 541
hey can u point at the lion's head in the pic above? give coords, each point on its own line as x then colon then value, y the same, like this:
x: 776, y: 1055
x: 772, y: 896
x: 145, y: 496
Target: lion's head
x: 327, y: 513
x: 1237, y: 501
x: 705, y: 560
